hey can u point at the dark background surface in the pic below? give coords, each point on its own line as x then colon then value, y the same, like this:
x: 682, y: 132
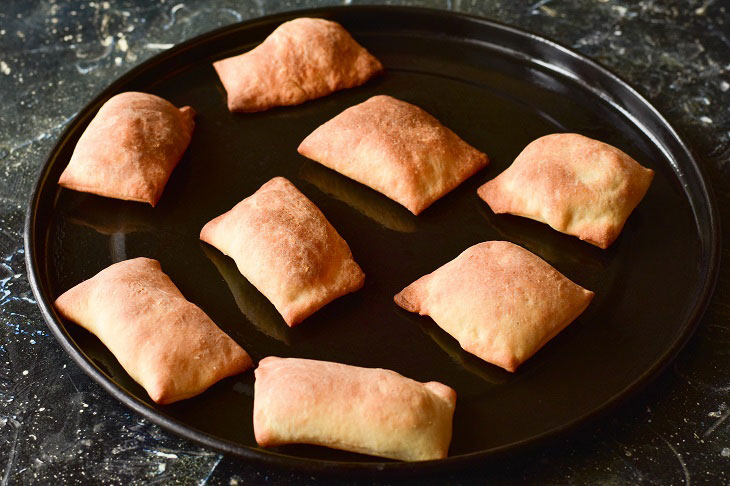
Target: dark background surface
x: 57, y: 426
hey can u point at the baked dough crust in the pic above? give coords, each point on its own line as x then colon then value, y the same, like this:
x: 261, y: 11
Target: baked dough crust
x: 575, y: 184
x: 283, y: 244
x: 501, y: 302
x: 130, y: 148
x: 166, y: 343
x: 301, y: 60
x: 366, y: 410
x: 395, y: 148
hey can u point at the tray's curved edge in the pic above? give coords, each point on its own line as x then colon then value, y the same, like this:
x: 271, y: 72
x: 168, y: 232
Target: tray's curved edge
x: 53, y: 321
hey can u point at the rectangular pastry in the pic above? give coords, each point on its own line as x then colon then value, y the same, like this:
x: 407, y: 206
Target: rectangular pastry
x: 365, y: 410
x: 578, y: 186
x: 166, y: 344
x: 130, y: 148
x: 301, y: 60
x: 284, y: 245
x: 501, y: 302
x: 395, y: 148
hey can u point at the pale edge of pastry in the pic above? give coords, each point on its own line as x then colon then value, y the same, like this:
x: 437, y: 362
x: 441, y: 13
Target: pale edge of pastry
x: 498, y: 300
x: 576, y: 185
x: 365, y: 410
x: 164, y: 342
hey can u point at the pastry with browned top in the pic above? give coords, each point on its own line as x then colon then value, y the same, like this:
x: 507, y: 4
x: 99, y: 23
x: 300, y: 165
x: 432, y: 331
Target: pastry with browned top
x: 395, y: 148
x: 130, y: 148
x: 301, y: 60
x: 365, y: 410
x: 575, y: 184
x: 501, y: 302
x: 166, y: 344
x: 284, y: 245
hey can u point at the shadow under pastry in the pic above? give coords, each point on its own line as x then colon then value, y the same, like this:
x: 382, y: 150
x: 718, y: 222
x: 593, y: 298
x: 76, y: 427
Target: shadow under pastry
x: 486, y: 371
x: 257, y: 309
x: 549, y: 244
x: 361, y: 198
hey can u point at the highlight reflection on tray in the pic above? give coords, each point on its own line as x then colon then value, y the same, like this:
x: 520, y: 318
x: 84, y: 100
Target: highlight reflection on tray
x: 110, y: 216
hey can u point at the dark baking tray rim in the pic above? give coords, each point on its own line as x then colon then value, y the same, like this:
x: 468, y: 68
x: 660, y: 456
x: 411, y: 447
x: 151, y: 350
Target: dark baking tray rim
x: 551, y: 55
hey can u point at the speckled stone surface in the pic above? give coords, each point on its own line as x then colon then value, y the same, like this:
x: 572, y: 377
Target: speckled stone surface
x: 59, y: 427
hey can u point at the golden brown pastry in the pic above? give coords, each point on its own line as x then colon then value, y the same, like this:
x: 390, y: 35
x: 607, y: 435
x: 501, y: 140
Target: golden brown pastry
x: 577, y: 185
x: 283, y: 244
x: 166, y: 344
x: 301, y: 60
x: 501, y: 302
x: 130, y: 148
x: 110, y: 217
x: 365, y: 410
x: 395, y: 148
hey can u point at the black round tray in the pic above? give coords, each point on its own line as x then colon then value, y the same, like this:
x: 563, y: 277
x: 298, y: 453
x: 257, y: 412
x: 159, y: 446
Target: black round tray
x: 498, y: 88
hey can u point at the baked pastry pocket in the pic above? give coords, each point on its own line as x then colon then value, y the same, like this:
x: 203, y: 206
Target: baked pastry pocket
x: 283, y: 244
x: 165, y: 343
x: 130, y: 148
x: 575, y: 184
x: 301, y: 60
x: 365, y: 410
x: 501, y: 302
x: 395, y: 148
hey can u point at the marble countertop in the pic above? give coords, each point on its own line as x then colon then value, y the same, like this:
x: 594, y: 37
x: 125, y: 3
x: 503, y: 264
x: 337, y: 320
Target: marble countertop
x: 57, y: 426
